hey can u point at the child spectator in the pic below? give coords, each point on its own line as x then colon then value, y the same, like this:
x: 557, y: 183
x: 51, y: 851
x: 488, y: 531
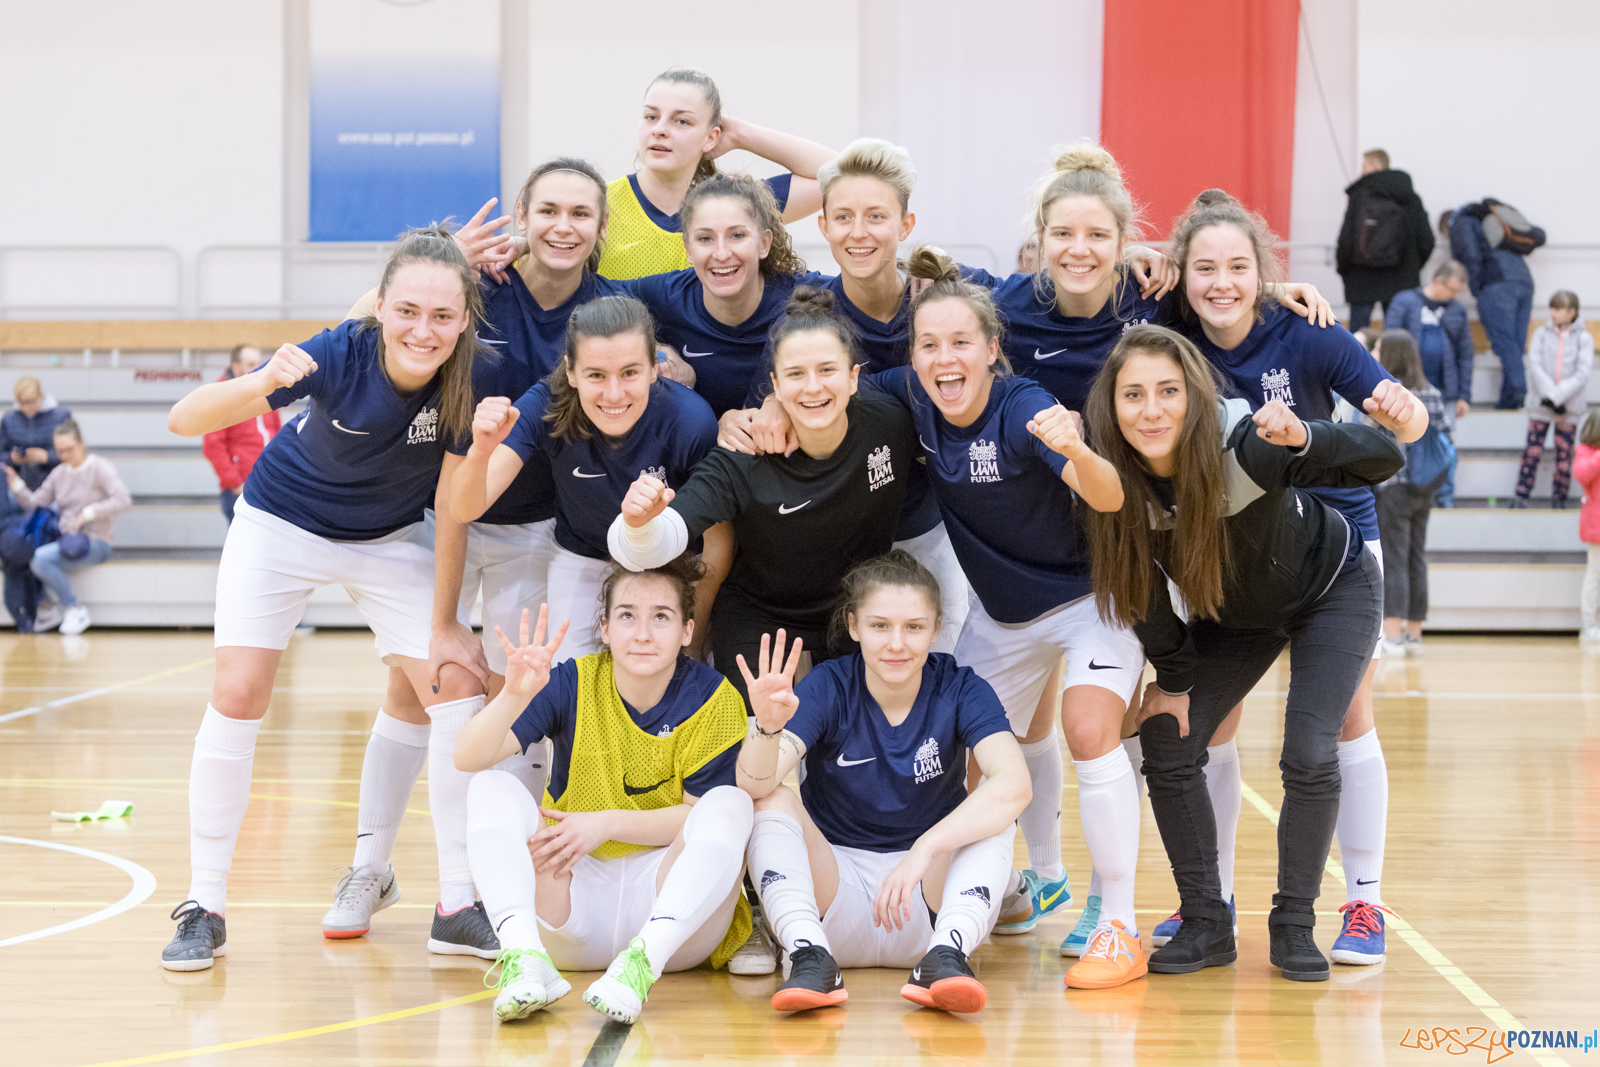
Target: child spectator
x: 1587, y: 470
x: 1559, y: 360
x: 233, y: 449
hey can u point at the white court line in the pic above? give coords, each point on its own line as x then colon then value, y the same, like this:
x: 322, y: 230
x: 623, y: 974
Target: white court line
x: 90, y: 694
x: 144, y: 884
x: 1474, y: 993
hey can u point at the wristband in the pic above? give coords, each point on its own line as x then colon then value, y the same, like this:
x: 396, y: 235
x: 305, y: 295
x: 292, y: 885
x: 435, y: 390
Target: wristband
x: 757, y: 724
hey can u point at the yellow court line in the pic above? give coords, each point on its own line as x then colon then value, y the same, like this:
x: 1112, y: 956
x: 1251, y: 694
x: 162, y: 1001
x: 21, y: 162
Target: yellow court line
x: 41, y: 784
x: 295, y: 1035
x: 101, y: 691
x: 1475, y: 994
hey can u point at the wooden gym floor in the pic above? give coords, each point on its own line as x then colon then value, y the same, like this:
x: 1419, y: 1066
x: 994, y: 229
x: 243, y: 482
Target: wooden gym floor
x: 1493, y: 747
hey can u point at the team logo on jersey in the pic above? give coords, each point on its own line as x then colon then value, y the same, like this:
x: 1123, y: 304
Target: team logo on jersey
x: 424, y: 429
x: 658, y: 473
x: 1131, y: 323
x: 925, y: 764
x: 880, y: 472
x: 1275, y: 386
x: 984, y: 459
x: 665, y: 731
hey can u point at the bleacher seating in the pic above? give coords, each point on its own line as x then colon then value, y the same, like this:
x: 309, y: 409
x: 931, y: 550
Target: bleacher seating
x: 1492, y: 568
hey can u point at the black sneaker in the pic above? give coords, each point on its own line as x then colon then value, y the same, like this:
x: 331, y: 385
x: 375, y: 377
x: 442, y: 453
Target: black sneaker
x: 1198, y: 944
x: 202, y: 936
x: 814, y: 981
x: 463, y: 932
x: 1294, y: 948
x: 942, y: 979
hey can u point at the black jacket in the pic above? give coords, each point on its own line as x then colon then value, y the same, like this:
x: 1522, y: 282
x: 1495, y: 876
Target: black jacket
x: 1369, y: 285
x: 1287, y: 546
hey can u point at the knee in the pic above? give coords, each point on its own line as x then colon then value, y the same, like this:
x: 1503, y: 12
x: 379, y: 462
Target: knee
x: 725, y: 811
x: 781, y: 800
x: 455, y: 683
x: 492, y: 791
x: 1310, y: 771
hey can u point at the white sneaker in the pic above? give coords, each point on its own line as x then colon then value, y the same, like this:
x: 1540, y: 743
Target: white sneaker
x: 621, y: 992
x: 528, y: 981
x: 759, y: 953
x: 362, y: 892
x: 1589, y: 633
x: 75, y: 620
x: 1413, y: 645
x: 48, y: 617
x: 1392, y: 648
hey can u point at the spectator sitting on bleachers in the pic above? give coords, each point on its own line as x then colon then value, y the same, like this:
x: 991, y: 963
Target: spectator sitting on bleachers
x: 233, y: 449
x: 1560, y: 358
x: 87, y: 492
x: 26, y: 431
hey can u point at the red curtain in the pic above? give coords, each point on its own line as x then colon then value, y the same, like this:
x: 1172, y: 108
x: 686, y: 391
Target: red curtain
x: 1198, y: 96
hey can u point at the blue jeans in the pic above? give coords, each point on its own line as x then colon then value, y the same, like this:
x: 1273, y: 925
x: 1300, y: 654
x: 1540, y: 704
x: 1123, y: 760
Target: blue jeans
x: 51, y: 569
x: 1505, y: 309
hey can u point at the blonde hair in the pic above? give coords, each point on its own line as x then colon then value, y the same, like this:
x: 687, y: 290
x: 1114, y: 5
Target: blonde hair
x: 1081, y: 169
x: 869, y: 157
x: 27, y: 384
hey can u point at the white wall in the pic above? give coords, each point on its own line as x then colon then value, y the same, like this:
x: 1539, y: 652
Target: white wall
x: 140, y: 123
x: 1325, y: 143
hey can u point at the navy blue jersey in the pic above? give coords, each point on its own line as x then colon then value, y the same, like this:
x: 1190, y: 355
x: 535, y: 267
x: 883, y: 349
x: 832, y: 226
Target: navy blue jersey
x: 779, y: 184
x: 593, y: 474
x: 553, y: 714
x: 1288, y: 358
x: 525, y: 343
x: 724, y: 358
x: 1005, y: 507
x: 1061, y: 352
x: 363, y: 459
x: 880, y: 787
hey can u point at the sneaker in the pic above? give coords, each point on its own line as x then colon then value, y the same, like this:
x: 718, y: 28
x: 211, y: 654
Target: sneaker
x: 202, y: 936
x: 1078, y: 940
x: 1294, y: 949
x: 1166, y: 928
x: 1015, y: 904
x: 1043, y: 898
x: 362, y: 892
x: 1114, y: 957
x: 942, y: 979
x: 463, y: 932
x: 759, y: 953
x: 814, y: 981
x: 48, y: 617
x: 621, y: 992
x: 74, y: 620
x: 1590, y: 633
x: 1392, y: 648
x: 528, y: 981
x: 1413, y: 645
x: 1198, y: 943
x: 1361, y: 939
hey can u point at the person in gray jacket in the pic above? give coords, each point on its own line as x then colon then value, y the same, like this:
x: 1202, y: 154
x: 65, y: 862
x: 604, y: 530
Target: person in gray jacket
x: 1559, y: 360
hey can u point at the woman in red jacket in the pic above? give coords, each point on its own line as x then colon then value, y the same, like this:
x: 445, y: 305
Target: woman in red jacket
x: 233, y: 449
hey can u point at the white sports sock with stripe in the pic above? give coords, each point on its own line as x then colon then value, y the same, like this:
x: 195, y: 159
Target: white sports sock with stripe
x: 1108, y: 802
x: 1363, y: 816
x: 396, y: 752
x: 781, y: 869
x: 219, y: 792
x: 501, y: 816
x: 1225, y: 788
x: 973, y: 887
x: 1041, y: 819
x: 704, y: 876
x: 447, y: 800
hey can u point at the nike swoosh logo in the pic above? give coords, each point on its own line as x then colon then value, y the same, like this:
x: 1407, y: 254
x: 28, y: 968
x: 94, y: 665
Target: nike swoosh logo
x: 924, y: 445
x: 852, y: 762
x: 634, y: 792
x: 1046, y: 355
x: 363, y: 433
x: 1372, y: 881
x: 695, y: 355
x: 916, y: 973
x: 1093, y: 666
x: 1049, y: 901
x: 784, y: 509
x: 577, y: 472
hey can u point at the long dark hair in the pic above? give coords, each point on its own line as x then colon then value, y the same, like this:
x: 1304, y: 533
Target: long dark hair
x: 606, y: 316
x: 1217, y: 208
x: 1121, y: 547
x: 758, y: 200
x: 1397, y: 352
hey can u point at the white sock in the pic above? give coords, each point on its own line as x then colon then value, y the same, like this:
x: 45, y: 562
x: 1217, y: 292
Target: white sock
x: 1108, y: 801
x: 704, y: 874
x: 1225, y: 786
x: 219, y: 792
x: 1041, y: 819
x: 781, y: 870
x: 1363, y: 816
x: 396, y: 752
x: 1135, y: 750
x: 447, y: 799
x: 501, y: 816
x: 532, y: 769
x: 976, y: 881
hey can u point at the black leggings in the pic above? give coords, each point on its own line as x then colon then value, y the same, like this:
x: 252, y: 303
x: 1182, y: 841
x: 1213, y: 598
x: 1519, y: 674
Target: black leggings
x: 1330, y: 644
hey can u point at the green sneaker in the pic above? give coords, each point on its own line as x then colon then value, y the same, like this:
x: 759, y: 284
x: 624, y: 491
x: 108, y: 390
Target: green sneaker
x: 623, y: 989
x: 1077, y: 942
x: 528, y: 981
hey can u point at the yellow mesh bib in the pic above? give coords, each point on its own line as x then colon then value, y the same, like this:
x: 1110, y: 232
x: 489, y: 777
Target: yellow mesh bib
x: 635, y: 246
x: 617, y: 766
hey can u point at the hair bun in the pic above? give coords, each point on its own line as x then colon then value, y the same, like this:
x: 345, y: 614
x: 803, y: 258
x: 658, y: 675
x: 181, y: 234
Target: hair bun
x: 932, y: 263
x: 805, y: 298
x: 1213, y: 197
x: 1086, y: 155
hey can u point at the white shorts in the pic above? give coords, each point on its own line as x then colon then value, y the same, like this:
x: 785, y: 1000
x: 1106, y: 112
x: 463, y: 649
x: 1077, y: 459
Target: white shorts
x: 1376, y: 548
x: 271, y: 567
x: 1017, y: 658
x: 575, y: 583
x: 511, y: 565
x: 611, y: 902
x: 856, y: 941
x: 934, y: 551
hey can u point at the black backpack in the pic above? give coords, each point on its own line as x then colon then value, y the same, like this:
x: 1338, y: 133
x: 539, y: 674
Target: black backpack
x: 1380, y: 237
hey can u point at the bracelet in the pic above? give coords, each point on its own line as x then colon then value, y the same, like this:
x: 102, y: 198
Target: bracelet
x: 776, y: 733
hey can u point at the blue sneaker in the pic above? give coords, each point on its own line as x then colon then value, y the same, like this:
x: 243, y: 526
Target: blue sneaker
x: 1167, y: 928
x: 1044, y: 897
x: 1078, y: 940
x: 1361, y: 940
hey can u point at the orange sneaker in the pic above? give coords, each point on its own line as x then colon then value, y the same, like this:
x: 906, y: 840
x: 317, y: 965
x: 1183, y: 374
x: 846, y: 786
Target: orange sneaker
x: 1114, y: 957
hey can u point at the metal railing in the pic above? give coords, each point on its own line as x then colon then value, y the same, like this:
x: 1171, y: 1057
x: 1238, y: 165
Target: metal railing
x: 309, y: 280
x: 96, y: 281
